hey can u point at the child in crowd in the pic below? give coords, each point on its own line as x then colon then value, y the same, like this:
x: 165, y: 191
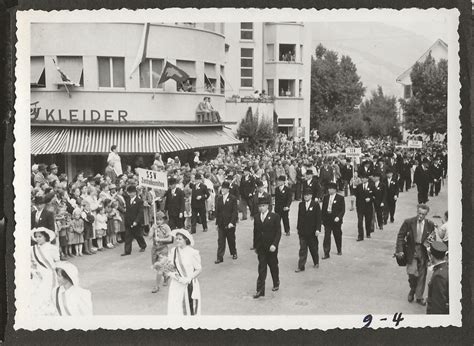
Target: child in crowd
x: 77, y: 226
x: 187, y: 207
x: 100, y: 227
x: 89, y: 219
x: 116, y: 222
x: 110, y: 223
x: 63, y: 223
x: 160, y: 232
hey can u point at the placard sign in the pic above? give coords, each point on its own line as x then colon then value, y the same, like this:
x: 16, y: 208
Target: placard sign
x: 415, y: 144
x: 153, y: 179
x: 353, y: 152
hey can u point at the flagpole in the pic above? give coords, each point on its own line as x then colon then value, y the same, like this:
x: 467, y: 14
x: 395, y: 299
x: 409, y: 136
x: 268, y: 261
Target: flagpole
x: 64, y: 84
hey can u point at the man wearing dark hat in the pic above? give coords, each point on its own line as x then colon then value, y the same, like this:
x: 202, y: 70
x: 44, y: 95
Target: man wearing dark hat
x: 312, y: 183
x: 174, y: 205
x: 366, y: 167
x: 333, y: 210
x: 380, y: 198
x: 308, y: 226
x: 247, y: 189
x: 198, y: 203
x: 422, y: 180
x: 42, y: 217
x: 260, y: 193
x: 133, y: 220
x: 438, y: 287
x: 364, y: 205
x: 266, y: 238
x: 226, y: 220
x: 411, y: 242
x: 392, y: 197
x: 233, y: 187
x: 283, y: 202
x: 436, y: 175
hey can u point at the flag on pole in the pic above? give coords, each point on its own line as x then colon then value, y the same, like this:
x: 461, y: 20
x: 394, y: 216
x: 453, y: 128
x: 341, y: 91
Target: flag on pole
x: 171, y: 71
x: 64, y: 78
x: 141, y: 54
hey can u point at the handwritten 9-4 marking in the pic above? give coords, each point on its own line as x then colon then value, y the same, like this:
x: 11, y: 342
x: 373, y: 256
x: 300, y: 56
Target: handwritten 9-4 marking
x: 397, y: 318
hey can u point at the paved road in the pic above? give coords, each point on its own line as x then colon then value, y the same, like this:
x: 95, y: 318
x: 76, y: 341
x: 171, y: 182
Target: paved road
x: 365, y: 279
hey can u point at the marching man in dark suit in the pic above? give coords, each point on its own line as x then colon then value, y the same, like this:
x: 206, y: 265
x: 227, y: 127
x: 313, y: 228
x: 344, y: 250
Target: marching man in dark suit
x: 266, y: 237
x: 198, y: 203
x: 308, y: 226
x: 226, y: 219
x: 283, y: 202
x: 260, y: 193
x: 411, y: 243
x: 133, y: 220
x: 438, y: 288
x: 364, y: 199
x: 436, y: 175
x: 380, y: 197
x: 334, y: 207
x: 42, y: 217
x: 392, y: 197
x: 422, y: 180
x: 312, y: 183
x: 174, y: 205
x: 247, y: 189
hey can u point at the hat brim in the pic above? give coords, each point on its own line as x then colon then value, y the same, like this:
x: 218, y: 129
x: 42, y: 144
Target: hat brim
x: 51, y: 233
x: 184, y: 233
x: 71, y: 271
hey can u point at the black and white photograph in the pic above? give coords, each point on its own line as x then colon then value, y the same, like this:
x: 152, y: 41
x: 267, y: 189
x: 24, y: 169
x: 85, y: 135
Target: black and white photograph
x: 182, y: 168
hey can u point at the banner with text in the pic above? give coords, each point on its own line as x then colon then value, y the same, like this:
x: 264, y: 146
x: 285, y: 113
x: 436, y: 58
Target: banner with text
x: 415, y: 144
x: 353, y: 152
x: 153, y: 179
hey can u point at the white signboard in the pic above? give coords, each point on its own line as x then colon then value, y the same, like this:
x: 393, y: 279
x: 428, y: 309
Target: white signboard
x: 353, y: 152
x: 153, y: 179
x: 415, y: 144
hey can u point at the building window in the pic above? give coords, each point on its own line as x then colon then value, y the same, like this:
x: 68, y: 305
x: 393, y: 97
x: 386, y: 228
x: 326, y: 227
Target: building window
x: 246, y: 31
x: 271, y: 52
x: 190, y: 68
x: 72, y: 68
x: 270, y: 87
x: 210, y: 77
x: 287, y: 87
x: 222, y: 80
x: 287, y: 52
x: 407, y: 91
x: 150, y: 73
x: 300, y: 89
x: 246, y: 67
x: 111, y: 72
x: 37, y: 73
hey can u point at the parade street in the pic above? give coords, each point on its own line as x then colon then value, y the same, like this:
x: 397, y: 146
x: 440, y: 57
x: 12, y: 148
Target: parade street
x: 365, y: 279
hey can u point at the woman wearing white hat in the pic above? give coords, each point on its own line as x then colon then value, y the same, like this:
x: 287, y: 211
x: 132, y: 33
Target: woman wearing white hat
x: 184, y: 295
x: 44, y: 257
x: 70, y: 299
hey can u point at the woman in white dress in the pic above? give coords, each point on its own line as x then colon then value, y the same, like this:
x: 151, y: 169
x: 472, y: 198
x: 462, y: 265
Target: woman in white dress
x: 44, y: 257
x: 184, y: 295
x: 70, y: 299
x: 115, y: 159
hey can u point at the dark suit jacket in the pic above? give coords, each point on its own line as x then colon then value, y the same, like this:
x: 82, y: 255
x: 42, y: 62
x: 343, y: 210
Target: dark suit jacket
x: 200, y: 191
x: 247, y: 187
x: 338, y: 209
x: 438, y: 290
x: 267, y: 233
x: 234, y: 190
x: 362, y: 194
x: 226, y: 212
x: 133, y: 212
x: 46, y: 220
x: 406, y: 237
x: 282, y: 198
x: 380, y: 194
x: 174, y: 204
x: 422, y: 177
x: 392, y: 189
x: 309, y: 221
x: 314, y: 186
x: 436, y: 172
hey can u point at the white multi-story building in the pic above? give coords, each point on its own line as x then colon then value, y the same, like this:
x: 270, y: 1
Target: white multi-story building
x: 111, y: 99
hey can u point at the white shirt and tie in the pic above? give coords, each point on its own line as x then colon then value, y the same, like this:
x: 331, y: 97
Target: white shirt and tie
x: 38, y: 215
x: 331, y: 201
x: 308, y: 204
x: 263, y: 216
x: 420, y: 225
x: 224, y: 197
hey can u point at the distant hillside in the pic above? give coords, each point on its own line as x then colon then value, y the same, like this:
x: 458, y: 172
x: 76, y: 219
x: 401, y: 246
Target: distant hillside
x: 380, y: 52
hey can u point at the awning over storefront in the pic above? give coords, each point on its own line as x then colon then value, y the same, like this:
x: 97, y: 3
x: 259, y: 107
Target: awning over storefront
x: 206, y: 137
x: 78, y: 140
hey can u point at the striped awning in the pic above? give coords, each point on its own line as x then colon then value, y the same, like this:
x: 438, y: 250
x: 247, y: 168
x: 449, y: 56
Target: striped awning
x: 48, y: 140
x: 206, y: 137
x: 99, y: 140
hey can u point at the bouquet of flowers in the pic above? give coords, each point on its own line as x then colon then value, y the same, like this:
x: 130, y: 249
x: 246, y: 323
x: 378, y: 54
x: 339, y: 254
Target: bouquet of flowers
x: 166, y: 267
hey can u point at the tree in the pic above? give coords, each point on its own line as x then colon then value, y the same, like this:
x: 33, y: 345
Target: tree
x: 380, y: 114
x: 336, y: 89
x: 255, y: 132
x: 426, y: 110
